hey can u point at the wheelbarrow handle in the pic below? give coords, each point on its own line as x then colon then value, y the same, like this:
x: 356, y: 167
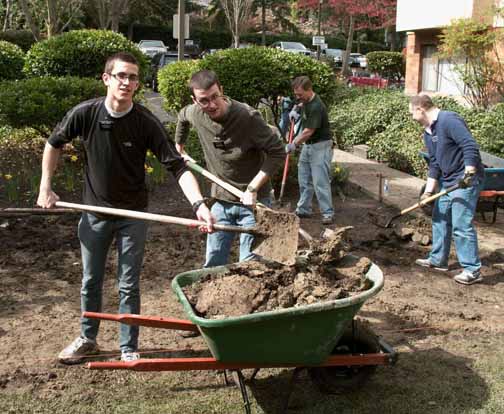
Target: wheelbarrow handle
x: 152, y: 217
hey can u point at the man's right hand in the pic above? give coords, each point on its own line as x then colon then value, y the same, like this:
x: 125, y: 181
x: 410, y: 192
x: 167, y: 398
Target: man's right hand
x: 425, y: 196
x: 203, y: 213
x: 47, y: 198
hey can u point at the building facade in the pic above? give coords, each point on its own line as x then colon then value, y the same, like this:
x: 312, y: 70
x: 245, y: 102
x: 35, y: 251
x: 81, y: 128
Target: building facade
x: 423, y: 22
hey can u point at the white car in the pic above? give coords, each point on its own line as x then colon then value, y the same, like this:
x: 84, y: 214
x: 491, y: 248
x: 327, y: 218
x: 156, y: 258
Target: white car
x: 292, y: 47
x: 361, y: 59
x: 152, y: 47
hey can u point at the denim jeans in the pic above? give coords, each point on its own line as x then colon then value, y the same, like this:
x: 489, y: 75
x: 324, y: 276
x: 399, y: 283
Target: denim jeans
x: 314, y: 176
x: 96, y: 235
x: 452, y: 216
x: 219, y: 243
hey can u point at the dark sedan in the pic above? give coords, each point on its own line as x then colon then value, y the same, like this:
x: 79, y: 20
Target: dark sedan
x: 158, y: 61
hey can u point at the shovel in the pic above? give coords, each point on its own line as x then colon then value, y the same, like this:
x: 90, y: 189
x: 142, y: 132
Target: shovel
x: 425, y: 201
x: 284, y: 225
x: 266, y: 237
x: 286, y: 166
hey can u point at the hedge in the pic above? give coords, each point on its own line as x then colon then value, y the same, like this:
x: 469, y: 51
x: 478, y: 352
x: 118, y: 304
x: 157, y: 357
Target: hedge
x: 248, y: 75
x: 42, y: 102
x: 390, y: 65
x: 79, y: 53
x: 23, y: 38
x: 11, y: 60
x: 381, y: 119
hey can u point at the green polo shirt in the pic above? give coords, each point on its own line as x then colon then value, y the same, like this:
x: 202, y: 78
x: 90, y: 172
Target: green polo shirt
x: 314, y: 116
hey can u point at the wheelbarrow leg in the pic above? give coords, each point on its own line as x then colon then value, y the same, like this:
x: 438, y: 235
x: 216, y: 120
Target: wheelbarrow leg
x: 295, y: 376
x: 240, y: 381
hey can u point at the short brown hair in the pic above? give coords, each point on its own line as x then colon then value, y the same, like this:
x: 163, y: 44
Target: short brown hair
x: 204, y: 79
x: 123, y: 57
x: 303, y: 82
x: 422, y: 101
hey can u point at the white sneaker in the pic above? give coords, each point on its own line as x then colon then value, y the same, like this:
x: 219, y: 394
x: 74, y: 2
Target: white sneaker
x: 128, y: 356
x: 427, y: 263
x: 77, y: 351
x: 468, y: 278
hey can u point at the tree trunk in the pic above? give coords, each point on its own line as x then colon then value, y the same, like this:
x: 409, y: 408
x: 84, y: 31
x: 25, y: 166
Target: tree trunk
x: 115, y: 15
x: 7, y: 15
x: 263, y: 22
x: 29, y: 19
x: 346, y: 57
x: 131, y: 30
x: 52, y: 18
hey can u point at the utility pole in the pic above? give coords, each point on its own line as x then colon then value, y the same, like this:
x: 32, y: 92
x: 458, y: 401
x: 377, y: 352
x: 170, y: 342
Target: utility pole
x: 181, y: 29
x: 318, y: 30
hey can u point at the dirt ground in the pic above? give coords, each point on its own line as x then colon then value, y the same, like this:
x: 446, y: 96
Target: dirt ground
x: 40, y: 274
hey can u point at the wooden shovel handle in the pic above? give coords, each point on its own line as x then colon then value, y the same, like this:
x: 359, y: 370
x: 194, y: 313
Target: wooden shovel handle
x: 151, y: 217
x: 430, y: 199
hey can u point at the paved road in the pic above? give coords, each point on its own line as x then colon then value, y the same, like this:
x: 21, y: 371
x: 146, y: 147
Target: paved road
x: 154, y: 101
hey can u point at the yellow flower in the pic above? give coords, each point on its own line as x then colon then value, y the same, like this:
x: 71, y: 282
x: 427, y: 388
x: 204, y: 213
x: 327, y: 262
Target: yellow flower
x: 338, y: 169
x: 8, y: 177
x: 149, y: 153
x: 73, y: 158
x: 149, y: 170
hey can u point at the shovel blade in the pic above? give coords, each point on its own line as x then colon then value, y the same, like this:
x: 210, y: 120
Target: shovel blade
x: 277, y: 236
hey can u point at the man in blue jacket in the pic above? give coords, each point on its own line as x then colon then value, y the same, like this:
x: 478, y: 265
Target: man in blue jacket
x: 453, y: 157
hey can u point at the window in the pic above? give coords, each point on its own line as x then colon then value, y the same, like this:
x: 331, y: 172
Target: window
x: 438, y: 75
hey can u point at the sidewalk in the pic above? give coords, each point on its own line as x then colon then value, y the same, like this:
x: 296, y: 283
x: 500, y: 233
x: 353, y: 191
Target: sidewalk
x: 404, y: 190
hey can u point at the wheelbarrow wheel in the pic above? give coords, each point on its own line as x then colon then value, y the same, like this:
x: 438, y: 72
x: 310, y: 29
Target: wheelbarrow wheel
x: 333, y: 380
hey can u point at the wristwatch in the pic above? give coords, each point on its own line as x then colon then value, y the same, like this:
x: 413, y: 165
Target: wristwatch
x: 251, y: 189
x: 196, y: 205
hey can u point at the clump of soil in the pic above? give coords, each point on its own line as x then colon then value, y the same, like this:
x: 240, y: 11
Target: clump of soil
x: 326, y: 272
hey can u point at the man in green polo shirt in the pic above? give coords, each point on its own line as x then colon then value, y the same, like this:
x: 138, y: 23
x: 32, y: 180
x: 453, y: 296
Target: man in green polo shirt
x: 314, y: 166
x: 239, y: 147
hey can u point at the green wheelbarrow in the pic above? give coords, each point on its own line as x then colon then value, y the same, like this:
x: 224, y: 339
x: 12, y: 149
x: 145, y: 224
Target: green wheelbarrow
x: 323, y: 338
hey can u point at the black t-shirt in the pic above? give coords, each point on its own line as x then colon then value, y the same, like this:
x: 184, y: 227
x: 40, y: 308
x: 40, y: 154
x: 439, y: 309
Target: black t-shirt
x: 115, y: 151
x: 314, y: 116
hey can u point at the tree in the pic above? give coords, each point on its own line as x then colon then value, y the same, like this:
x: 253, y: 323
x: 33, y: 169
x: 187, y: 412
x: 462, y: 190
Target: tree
x: 54, y: 15
x: 359, y: 14
x: 237, y: 14
x: 473, y: 49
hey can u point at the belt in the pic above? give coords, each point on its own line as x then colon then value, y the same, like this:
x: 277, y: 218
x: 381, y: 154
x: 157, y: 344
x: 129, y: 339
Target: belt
x: 310, y: 142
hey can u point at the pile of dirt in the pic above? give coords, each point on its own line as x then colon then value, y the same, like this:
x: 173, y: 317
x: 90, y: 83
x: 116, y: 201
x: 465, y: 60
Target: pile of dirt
x: 323, y: 273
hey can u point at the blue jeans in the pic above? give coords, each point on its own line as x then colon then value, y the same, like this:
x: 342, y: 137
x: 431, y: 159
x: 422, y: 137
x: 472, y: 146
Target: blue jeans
x: 96, y: 235
x: 452, y: 216
x: 314, y: 176
x: 219, y: 243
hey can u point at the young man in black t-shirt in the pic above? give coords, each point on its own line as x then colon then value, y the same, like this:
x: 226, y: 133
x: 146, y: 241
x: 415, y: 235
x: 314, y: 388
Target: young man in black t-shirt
x: 116, y: 134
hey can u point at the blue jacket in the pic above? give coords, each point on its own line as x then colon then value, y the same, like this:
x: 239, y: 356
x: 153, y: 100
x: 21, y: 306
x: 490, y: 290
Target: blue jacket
x: 451, y: 147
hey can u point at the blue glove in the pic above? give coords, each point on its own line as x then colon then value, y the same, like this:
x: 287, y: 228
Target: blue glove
x: 294, y: 114
x: 290, y: 147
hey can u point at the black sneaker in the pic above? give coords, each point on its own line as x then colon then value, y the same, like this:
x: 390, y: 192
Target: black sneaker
x: 303, y: 215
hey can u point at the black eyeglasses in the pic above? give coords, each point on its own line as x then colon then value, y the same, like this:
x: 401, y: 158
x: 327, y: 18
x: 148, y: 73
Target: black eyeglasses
x: 205, y: 102
x: 123, y: 77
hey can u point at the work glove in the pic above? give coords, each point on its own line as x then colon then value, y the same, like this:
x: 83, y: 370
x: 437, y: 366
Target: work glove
x: 294, y: 114
x: 467, y: 180
x: 290, y: 147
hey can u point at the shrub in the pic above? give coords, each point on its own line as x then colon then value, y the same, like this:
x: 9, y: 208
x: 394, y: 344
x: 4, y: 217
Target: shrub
x: 42, y: 102
x: 248, y: 75
x: 78, y: 53
x: 23, y: 38
x: 173, y: 84
x: 11, y: 60
x: 488, y: 129
x: 357, y: 120
x: 390, y: 65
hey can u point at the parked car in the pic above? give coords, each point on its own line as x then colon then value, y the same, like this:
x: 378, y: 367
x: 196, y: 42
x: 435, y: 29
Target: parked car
x: 292, y: 47
x: 151, y: 47
x: 193, y: 50
x: 335, y: 54
x: 158, y: 61
x: 363, y: 78
x: 358, y: 60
